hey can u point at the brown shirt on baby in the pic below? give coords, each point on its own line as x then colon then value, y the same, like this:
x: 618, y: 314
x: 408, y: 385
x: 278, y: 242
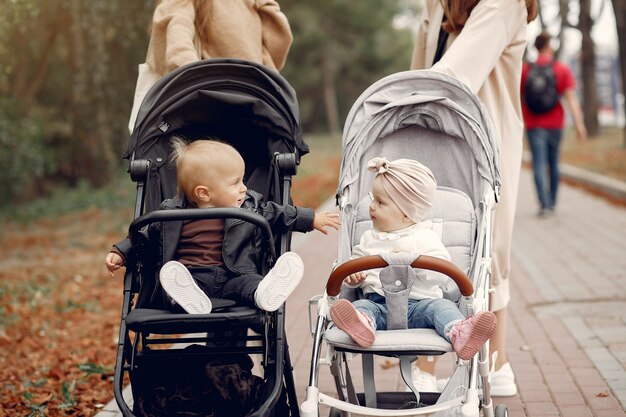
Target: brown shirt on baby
x: 200, y: 243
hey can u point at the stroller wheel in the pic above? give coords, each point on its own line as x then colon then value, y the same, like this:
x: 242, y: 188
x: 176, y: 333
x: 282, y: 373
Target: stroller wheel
x: 501, y: 411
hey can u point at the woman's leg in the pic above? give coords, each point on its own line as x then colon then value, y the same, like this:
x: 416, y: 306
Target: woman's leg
x: 498, y: 338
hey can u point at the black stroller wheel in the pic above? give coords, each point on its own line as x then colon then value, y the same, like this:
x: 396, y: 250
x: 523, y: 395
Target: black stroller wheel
x: 501, y: 411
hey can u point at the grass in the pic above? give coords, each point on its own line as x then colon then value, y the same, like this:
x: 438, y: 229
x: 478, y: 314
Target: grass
x: 604, y: 154
x: 315, y: 181
x: 120, y: 193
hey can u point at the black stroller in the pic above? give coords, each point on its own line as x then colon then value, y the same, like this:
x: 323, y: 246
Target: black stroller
x: 256, y: 111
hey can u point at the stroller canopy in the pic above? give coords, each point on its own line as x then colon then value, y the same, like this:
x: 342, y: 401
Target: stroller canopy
x: 217, y: 96
x: 242, y: 103
x: 439, y: 106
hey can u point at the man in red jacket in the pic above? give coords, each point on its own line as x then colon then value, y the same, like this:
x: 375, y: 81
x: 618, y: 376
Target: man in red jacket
x: 545, y: 130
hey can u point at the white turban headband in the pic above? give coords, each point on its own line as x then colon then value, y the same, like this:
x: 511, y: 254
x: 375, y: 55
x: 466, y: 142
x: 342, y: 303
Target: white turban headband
x: 409, y: 184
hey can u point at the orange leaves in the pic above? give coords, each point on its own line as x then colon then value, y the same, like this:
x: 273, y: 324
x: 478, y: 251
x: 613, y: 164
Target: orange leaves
x: 58, y: 311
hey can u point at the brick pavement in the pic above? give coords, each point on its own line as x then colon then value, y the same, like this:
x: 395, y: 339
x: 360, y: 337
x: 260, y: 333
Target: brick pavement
x: 567, y: 321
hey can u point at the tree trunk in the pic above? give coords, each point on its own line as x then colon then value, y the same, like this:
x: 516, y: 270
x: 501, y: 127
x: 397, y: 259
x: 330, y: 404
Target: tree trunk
x: 91, y: 132
x: 588, y: 70
x: 619, y: 9
x: 330, y: 92
x: 563, y: 13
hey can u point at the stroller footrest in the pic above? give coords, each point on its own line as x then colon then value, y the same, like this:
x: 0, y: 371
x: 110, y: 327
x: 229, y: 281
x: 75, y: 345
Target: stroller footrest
x: 167, y: 322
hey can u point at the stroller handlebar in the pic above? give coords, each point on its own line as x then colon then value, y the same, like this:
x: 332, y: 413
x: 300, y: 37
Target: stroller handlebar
x: 206, y: 213
x: 422, y: 262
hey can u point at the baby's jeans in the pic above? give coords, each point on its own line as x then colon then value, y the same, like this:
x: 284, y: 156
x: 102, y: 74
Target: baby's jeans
x: 221, y: 283
x: 437, y: 313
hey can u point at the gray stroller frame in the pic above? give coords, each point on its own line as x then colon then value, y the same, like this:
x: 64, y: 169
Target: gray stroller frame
x: 435, y: 119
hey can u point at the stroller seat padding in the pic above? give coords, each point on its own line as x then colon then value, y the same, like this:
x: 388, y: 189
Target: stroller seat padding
x: 405, y: 340
x: 167, y: 322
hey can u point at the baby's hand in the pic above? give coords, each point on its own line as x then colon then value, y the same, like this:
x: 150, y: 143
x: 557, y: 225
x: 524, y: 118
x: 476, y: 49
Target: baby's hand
x: 354, y: 279
x: 113, y: 262
x: 326, y: 219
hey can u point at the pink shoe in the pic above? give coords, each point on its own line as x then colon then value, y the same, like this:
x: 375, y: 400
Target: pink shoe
x: 357, y: 325
x: 468, y: 335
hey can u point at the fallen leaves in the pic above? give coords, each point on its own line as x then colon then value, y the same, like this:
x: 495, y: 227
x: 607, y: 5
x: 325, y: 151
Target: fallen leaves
x: 59, y: 312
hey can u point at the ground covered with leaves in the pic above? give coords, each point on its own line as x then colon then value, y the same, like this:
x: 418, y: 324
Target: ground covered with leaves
x: 59, y: 319
x: 60, y: 311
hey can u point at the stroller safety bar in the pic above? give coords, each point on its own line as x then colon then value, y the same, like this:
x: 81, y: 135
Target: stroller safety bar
x: 422, y: 262
x: 207, y: 213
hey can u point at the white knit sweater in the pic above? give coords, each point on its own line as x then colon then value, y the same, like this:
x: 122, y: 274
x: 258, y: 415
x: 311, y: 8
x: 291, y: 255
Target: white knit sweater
x: 419, y: 239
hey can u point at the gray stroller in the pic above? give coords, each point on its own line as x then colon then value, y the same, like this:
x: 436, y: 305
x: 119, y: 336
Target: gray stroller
x: 435, y: 119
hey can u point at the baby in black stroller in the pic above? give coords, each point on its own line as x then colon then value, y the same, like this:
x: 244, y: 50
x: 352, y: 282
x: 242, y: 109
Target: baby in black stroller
x: 201, y: 238
x: 217, y: 257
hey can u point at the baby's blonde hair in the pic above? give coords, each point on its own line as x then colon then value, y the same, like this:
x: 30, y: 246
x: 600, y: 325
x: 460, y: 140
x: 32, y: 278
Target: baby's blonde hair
x: 195, y: 162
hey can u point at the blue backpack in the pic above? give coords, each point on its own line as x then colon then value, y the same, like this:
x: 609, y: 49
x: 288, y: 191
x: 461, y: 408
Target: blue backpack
x: 540, y: 90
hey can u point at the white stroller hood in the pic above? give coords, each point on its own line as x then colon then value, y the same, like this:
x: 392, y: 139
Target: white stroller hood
x: 436, y: 106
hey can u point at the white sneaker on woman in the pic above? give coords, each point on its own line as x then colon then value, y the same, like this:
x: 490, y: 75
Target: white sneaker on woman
x: 503, y: 382
x: 423, y: 381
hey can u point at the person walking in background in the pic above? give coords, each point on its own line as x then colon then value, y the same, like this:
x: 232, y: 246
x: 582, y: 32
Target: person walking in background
x: 544, y: 117
x: 481, y: 43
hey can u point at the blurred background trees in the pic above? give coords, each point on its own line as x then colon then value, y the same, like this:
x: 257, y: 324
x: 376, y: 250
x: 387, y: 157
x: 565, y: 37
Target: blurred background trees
x: 341, y: 47
x: 67, y: 75
x: 68, y: 71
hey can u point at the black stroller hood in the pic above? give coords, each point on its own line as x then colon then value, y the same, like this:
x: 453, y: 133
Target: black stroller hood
x: 222, y: 95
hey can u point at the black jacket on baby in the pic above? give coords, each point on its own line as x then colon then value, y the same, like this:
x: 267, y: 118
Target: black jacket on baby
x: 243, y: 244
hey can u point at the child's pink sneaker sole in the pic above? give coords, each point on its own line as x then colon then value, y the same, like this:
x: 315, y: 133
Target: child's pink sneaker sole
x: 484, y: 325
x: 347, y: 318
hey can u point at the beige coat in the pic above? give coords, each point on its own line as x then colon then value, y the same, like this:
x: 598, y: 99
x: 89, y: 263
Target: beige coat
x: 487, y: 56
x: 255, y: 30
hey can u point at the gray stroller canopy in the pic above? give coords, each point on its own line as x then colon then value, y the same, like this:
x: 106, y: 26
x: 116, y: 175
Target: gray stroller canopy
x: 435, y: 106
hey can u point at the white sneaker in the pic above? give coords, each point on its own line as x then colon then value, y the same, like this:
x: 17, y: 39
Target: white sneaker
x: 280, y: 282
x: 178, y: 283
x: 441, y: 384
x: 423, y: 381
x: 503, y: 382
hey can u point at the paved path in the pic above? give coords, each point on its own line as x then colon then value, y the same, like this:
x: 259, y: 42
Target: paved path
x: 567, y: 334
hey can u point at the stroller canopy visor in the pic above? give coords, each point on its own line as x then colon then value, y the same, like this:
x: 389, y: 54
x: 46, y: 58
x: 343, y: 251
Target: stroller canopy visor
x: 426, y: 99
x: 220, y: 94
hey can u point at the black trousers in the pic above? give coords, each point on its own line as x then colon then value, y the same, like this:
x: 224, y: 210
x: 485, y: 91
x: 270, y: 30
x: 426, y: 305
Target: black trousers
x: 219, y: 282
